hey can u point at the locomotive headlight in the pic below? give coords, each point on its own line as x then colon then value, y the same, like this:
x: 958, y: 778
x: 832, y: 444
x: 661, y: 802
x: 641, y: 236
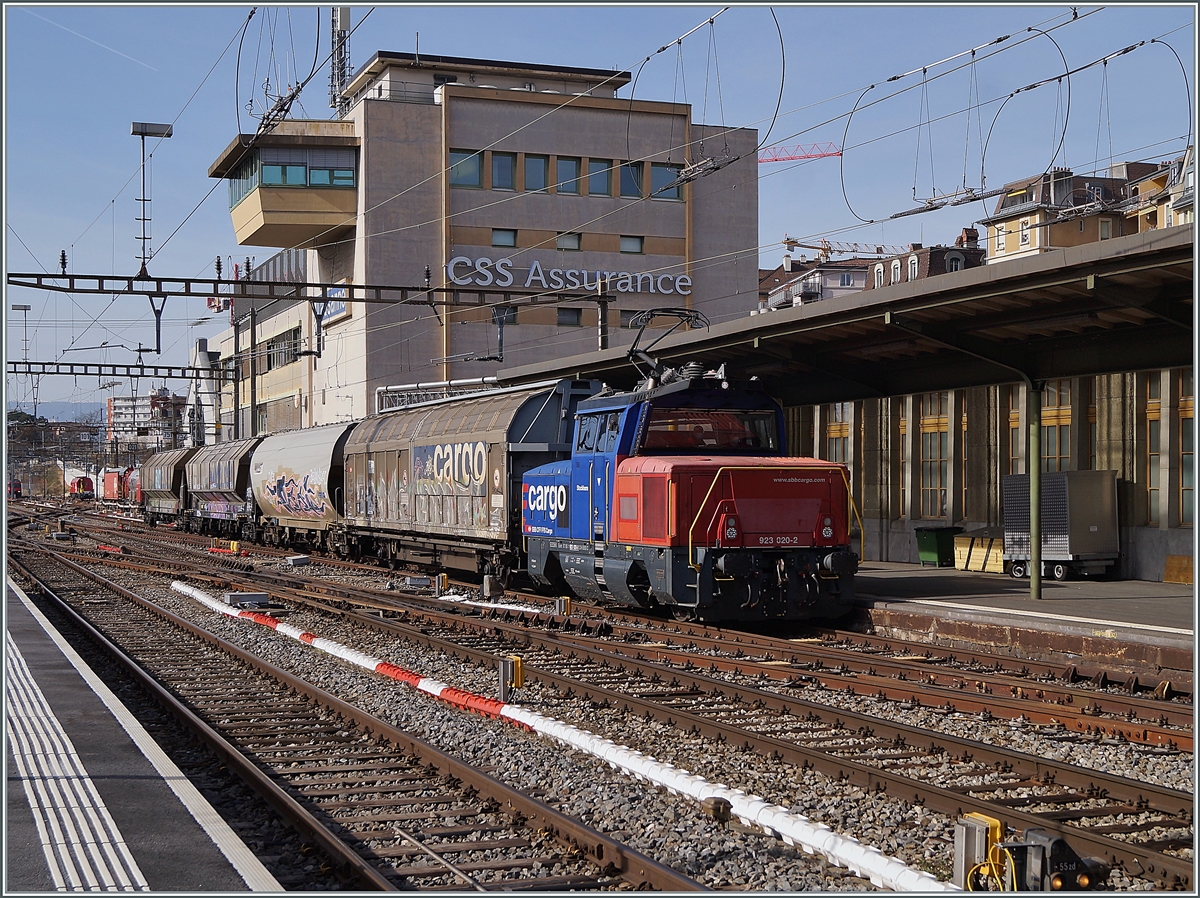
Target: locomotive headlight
x: 827, y: 529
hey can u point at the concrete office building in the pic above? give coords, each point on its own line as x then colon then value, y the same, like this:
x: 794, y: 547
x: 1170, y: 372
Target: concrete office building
x: 486, y: 174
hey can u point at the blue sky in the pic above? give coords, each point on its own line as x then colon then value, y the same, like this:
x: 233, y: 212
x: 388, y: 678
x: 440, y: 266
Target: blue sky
x: 77, y: 76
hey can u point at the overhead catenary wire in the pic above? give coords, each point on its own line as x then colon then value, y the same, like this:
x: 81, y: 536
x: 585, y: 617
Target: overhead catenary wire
x: 615, y: 167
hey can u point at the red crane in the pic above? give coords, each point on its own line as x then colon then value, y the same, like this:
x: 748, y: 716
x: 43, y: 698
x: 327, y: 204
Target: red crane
x: 802, y: 151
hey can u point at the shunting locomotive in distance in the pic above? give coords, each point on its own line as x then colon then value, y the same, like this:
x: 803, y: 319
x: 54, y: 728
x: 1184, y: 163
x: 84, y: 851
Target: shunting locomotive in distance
x: 677, y: 495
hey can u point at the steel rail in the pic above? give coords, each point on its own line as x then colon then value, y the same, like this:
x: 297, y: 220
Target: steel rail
x: 609, y: 854
x: 1089, y: 782
x: 350, y: 862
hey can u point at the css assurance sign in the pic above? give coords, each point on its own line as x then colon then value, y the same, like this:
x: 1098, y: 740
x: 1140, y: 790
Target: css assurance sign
x: 483, y: 272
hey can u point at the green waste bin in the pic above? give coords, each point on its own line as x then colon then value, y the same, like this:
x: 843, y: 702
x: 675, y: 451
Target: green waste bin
x: 935, y: 545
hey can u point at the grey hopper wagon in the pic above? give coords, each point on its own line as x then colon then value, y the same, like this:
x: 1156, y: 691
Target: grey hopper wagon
x: 440, y: 482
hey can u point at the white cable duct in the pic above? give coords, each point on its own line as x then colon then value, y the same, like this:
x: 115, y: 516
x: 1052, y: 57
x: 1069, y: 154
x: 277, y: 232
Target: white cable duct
x: 862, y: 860
x: 795, y: 829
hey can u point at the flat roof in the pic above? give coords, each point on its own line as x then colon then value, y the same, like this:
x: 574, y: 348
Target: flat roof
x: 384, y: 58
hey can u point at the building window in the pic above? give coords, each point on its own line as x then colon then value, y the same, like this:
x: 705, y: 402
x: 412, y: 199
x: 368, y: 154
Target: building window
x: 954, y: 262
x: 1105, y: 228
x: 895, y: 271
x: 284, y: 175
x: 599, y: 177
x: 1000, y: 239
x: 1056, y: 426
x: 837, y: 432
x: 632, y: 244
x: 504, y: 237
x: 1187, y: 451
x: 570, y: 317
x: 504, y: 314
x: 878, y: 275
x: 465, y: 169
x: 1093, y: 430
x: 1153, y: 445
x: 536, y: 168
x: 1024, y: 239
x: 1013, y: 403
x: 504, y: 171
x: 662, y: 177
x: 963, y: 477
x: 627, y: 316
x: 631, y: 179
x: 568, y: 241
x: 913, y: 267
x: 935, y: 454
x: 331, y: 177
x: 847, y: 279
x: 283, y: 349
x: 567, y: 177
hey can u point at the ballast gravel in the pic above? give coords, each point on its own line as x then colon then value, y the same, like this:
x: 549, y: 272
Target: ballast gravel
x: 667, y: 827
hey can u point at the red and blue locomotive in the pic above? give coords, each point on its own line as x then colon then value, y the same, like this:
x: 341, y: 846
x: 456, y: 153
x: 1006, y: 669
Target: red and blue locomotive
x: 679, y: 495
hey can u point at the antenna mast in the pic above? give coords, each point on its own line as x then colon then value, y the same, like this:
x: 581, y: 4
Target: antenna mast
x: 339, y: 61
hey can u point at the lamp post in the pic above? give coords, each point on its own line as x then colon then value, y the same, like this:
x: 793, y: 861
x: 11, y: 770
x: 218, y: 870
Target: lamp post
x: 144, y: 130
x: 24, y: 308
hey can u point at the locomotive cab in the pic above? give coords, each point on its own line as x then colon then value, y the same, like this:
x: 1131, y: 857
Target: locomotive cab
x: 681, y: 496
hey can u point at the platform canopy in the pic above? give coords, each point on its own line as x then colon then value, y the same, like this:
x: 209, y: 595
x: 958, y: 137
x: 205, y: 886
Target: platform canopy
x: 1116, y: 305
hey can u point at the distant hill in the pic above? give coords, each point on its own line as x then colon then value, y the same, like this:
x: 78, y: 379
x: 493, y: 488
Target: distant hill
x: 60, y: 411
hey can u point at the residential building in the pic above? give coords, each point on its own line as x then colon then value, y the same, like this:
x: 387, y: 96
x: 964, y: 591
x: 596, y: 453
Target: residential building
x: 927, y: 261
x: 805, y: 281
x: 151, y: 422
x: 1163, y: 198
x: 1059, y: 208
x: 467, y: 174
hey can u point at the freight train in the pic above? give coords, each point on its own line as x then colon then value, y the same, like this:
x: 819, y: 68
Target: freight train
x: 82, y: 488
x: 675, y: 496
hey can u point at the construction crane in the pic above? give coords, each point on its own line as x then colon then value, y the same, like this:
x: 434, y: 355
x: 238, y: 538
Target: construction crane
x: 826, y: 248
x: 802, y: 151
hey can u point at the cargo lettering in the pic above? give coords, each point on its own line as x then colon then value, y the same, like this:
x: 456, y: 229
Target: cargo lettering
x: 452, y: 464
x: 549, y: 499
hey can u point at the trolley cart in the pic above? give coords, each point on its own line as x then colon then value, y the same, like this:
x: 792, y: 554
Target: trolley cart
x: 1079, y: 523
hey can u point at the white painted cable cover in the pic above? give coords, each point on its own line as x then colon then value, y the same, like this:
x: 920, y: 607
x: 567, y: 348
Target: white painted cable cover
x: 795, y: 829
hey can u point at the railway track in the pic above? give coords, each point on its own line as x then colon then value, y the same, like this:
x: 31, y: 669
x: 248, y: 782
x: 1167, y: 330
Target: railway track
x: 391, y: 811
x: 775, y: 696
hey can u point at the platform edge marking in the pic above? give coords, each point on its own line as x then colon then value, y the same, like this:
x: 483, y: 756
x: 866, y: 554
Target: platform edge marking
x: 241, y: 858
x: 40, y: 745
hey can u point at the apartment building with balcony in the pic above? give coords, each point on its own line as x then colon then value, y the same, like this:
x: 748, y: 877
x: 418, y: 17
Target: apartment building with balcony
x: 1163, y: 198
x: 800, y: 281
x: 1059, y: 208
x: 482, y: 173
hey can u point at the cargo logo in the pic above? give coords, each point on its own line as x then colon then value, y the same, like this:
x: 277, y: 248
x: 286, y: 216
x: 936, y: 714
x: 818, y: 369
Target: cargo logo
x: 549, y: 499
x: 451, y: 468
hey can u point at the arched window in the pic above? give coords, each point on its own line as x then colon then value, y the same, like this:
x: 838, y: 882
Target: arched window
x: 879, y: 275
x: 913, y: 268
x: 954, y: 262
x: 895, y: 271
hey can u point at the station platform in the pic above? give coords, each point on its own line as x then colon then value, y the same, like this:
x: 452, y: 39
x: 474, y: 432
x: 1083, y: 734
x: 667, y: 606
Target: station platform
x: 93, y: 803
x: 1136, y: 624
